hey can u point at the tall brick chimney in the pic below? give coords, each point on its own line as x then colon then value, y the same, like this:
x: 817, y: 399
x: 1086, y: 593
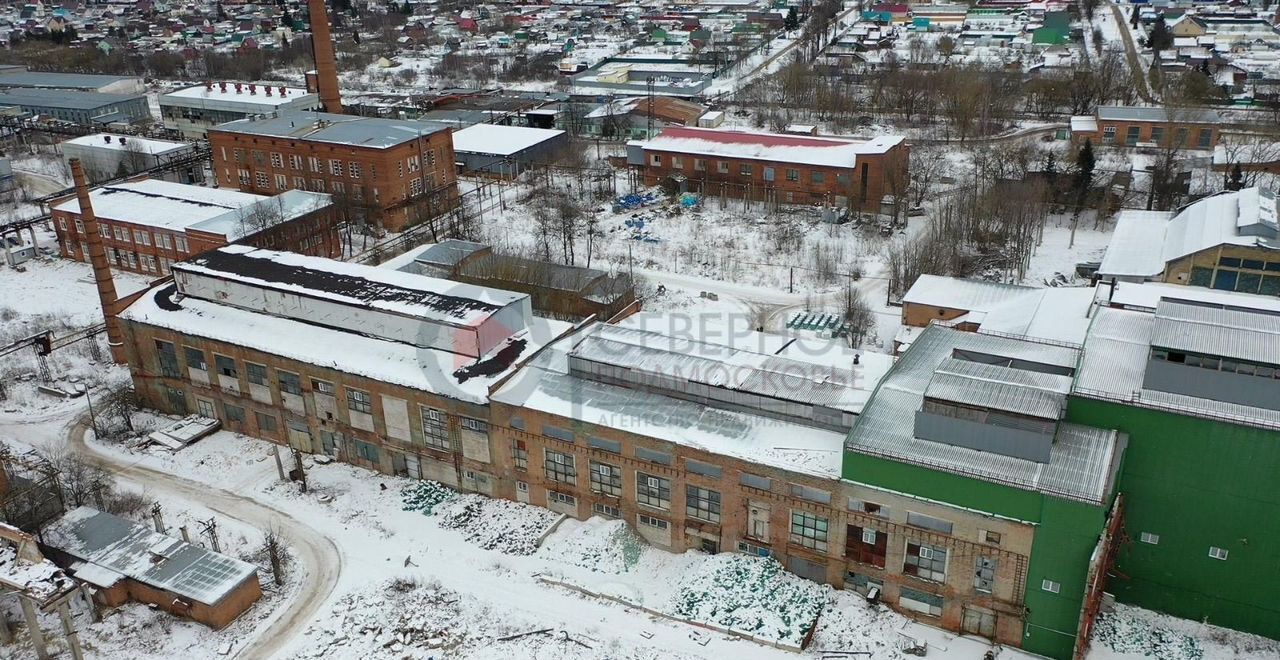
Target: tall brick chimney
x: 101, y: 267
x: 326, y: 63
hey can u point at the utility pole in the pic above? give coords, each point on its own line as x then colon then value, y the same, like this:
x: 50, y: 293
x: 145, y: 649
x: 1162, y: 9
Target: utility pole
x: 302, y: 472
x: 156, y: 518
x: 210, y: 529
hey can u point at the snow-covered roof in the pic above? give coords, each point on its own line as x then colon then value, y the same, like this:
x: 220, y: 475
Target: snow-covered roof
x: 547, y: 385
x: 500, y: 140
x: 346, y: 130
x: 260, y: 97
x: 1139, y: 113
x: 1000, y: 388
x: 1145, y: 241
x: 1084, y: 124
x: 960, y: 293
x: 158, y: 203
x: 351, y: 352
x: 1145, y: 296
x: 154, y: 559
x: 131, y: 143
x: 268, y: 211
x: 1115, y: 363
x: 1052, y: 313
x: 1207, y: 330
x: 1082, y: 458
x: 772, y: 147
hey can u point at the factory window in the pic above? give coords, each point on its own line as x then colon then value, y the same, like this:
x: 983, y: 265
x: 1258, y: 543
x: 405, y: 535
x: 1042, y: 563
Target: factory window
x: 744, y: 170
x: 168, y: 359
x: 234, y: 413
x: 163, y: 241
x: 650, y: 521
x: 560, y: 467
x: 1149, y: 538
x: 520, y: 455
x: 722, y: 166
x: 557, y: 433
x: 414, y: 163
x: 354, y: 168
x: 704, y: 469
x: 927, y: 562
x: 258, y: 156
x: 605, y: 510
x: 929, y: 522
x: 817, y: 178
x: 988, y: 536
x: 866, y: 545
x: 415, y: 186
x: 562, y: 498
x: 611, y: 446
x: 299, y: 183
x: 239, y: 155
x: 282, y: 182
x: 180, y: 244
x: 1218, y: 553
x: 655, y: 160
x: 335, y: 167
x: 431, y: 158
x: 317, y: 185
x: 811, y: 494
x: 290, y: 383
x: 226, y: 366
x: 606, y: 479
x: 358, y: 401
x: 1050, y: 586
x: 338, y: 187
x: 869, y: 508
x: 295, y: 161
x: 322, y: 387
x: 753, y: 481
x: 677, y: 162
x: 1157, y: 135
x: 1131, y: 135
x: 149, y: 264
x: 314, y: 162
x: 1206, y: 138
x: 702, y: 504
x: 435, y: 428
x: 1109, y: 135
x: 262, y: 180
x: 516, y: 423
x: 476, y: 425
x: 266, y: 422
x: 138, y: 235
x: 653, y: 491
x: 277, y: 160
x: 365, y: 451
x: 244, y: 177
x: 809, y: 530
x: 919, y: 601
x: 195, y: 358
x: 653, y: 456
x: 984, y: 574
x: 103, y: 230
x: 257, y: 373
x: 400, y: 169
x: 121, y: 234
x: 357, y: 191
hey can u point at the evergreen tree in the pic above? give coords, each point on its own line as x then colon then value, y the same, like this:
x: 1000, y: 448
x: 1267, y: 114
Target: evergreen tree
x: 1160, y: 38
x: 1236, y: 182
x: 1133, y: 18
x: 792, y: 21
x: 1084, y: 168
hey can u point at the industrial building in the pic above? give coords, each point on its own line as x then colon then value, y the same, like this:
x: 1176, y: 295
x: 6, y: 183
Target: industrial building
x: 148, y: 225
x: 194, y: 110
x: 386, y: 370
x: 108, y: 156
x: 393, y: 171
x: 506, y: 151
x: 1225, y: 241
x: 556, y: 290
x: 126, y: 560
x: 1133, y: 126
x: 775, y: 168
x: 18, y: 77
x: 85, y: 108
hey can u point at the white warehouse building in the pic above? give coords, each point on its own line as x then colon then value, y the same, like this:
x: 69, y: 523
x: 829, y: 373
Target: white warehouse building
x: 107, y: 155
x: 194, y: 109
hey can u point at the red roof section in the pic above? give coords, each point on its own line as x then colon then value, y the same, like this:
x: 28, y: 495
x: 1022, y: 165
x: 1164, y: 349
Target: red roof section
x: 741, y: 137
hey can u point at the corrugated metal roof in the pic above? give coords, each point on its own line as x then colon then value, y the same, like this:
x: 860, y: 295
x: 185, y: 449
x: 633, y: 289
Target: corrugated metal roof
x: 1080, y: 462
x: 153, y: 559
x: 1000, y: 388
x: 347, y: 130
x: 1137, y: 113
x: 1211, y: 330
x: 961, y: 293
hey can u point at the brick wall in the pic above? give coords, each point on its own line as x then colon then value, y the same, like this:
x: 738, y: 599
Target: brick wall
x: 384, y: 181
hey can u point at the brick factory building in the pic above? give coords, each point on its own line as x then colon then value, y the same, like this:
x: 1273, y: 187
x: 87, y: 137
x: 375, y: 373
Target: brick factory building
x: 775, y: 168
x: 1132, y: 126
x: 393, y: 171
x: 149, y: 224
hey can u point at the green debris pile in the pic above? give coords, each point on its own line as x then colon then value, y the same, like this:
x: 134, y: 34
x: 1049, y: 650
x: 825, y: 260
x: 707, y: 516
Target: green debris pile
x: 1123, y: 633
x: 753, y: 595
x: 425, y: 496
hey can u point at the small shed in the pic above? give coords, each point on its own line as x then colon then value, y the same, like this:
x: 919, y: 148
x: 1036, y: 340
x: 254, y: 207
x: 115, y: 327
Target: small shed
x: 129, y: 561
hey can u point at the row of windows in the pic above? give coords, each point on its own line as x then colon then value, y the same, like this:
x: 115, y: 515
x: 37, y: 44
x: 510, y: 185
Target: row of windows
x: 334, y: 166
x: 162, y: 240
x: 1216, y: 363
x: 815, y: 177
x: 1240, y: 281
x: 1204, y: 138
x: 434, y: 421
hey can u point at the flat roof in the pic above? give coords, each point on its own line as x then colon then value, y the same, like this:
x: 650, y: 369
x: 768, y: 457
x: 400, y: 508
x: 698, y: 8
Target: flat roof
x: 500, y: 140
x: 58, y: 80
x: 425, y: 369
x: 348, y: 130
x: 63, y: 98
x: 1140, y: 113
x: 960, y: 293
x: 358, y: 285
x: 158, y: 203
x: 121, y: 142
x: 134, y: 550
x: 546, y: 385
x: 200, y: 92
x: 263, y: 213
x: 1081, y: 458
x: 776, y: 147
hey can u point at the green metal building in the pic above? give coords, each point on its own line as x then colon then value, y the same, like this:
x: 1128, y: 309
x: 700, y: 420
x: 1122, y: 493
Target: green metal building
x: 1195, y: 388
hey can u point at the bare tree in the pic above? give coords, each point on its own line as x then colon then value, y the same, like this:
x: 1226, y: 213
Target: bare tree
x: 276, y: 549
x: 858, y: 316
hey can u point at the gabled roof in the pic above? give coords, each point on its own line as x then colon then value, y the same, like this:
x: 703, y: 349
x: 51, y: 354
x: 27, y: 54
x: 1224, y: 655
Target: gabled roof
x: 800, y: 149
